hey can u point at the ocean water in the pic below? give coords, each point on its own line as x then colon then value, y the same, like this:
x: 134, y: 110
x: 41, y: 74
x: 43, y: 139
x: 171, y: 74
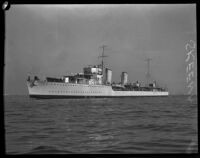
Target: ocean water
x: 109, y: 125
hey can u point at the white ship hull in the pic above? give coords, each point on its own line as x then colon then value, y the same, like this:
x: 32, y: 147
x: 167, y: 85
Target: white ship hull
x: 42, y: 89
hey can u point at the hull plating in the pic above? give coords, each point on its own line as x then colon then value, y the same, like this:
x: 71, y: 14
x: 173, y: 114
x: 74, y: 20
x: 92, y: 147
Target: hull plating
x: 67, y: 90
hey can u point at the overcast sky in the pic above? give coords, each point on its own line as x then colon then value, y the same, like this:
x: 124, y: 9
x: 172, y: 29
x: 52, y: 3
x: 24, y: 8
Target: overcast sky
x: 52, y: 40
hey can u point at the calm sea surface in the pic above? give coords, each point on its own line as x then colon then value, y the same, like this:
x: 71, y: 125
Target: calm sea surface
x: 114, y: 125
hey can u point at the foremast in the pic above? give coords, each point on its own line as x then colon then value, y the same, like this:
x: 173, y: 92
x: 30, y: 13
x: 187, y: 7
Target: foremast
x: 102, y: 56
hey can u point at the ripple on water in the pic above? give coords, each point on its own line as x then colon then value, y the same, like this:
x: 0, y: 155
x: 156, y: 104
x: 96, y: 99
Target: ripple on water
x: 127, y: 125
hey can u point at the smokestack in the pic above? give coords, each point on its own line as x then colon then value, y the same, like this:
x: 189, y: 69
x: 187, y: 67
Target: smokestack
x: 108, y: 76
x: 124, y: 78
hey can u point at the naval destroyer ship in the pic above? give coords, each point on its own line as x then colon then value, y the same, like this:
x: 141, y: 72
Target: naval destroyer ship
x: 94, y: 81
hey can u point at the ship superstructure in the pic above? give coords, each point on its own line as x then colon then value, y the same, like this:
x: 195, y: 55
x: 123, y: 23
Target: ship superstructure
x: 94, y: 81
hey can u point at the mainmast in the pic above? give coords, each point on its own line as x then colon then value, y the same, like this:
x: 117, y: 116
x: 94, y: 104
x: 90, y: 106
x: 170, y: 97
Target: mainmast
x: 148, y: 69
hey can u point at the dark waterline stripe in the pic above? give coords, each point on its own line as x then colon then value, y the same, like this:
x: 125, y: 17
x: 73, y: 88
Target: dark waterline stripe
x: 66, y: 97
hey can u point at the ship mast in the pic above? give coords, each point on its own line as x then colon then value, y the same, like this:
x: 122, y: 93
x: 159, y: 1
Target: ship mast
x: 102, y: 56
x: 148, y: 69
